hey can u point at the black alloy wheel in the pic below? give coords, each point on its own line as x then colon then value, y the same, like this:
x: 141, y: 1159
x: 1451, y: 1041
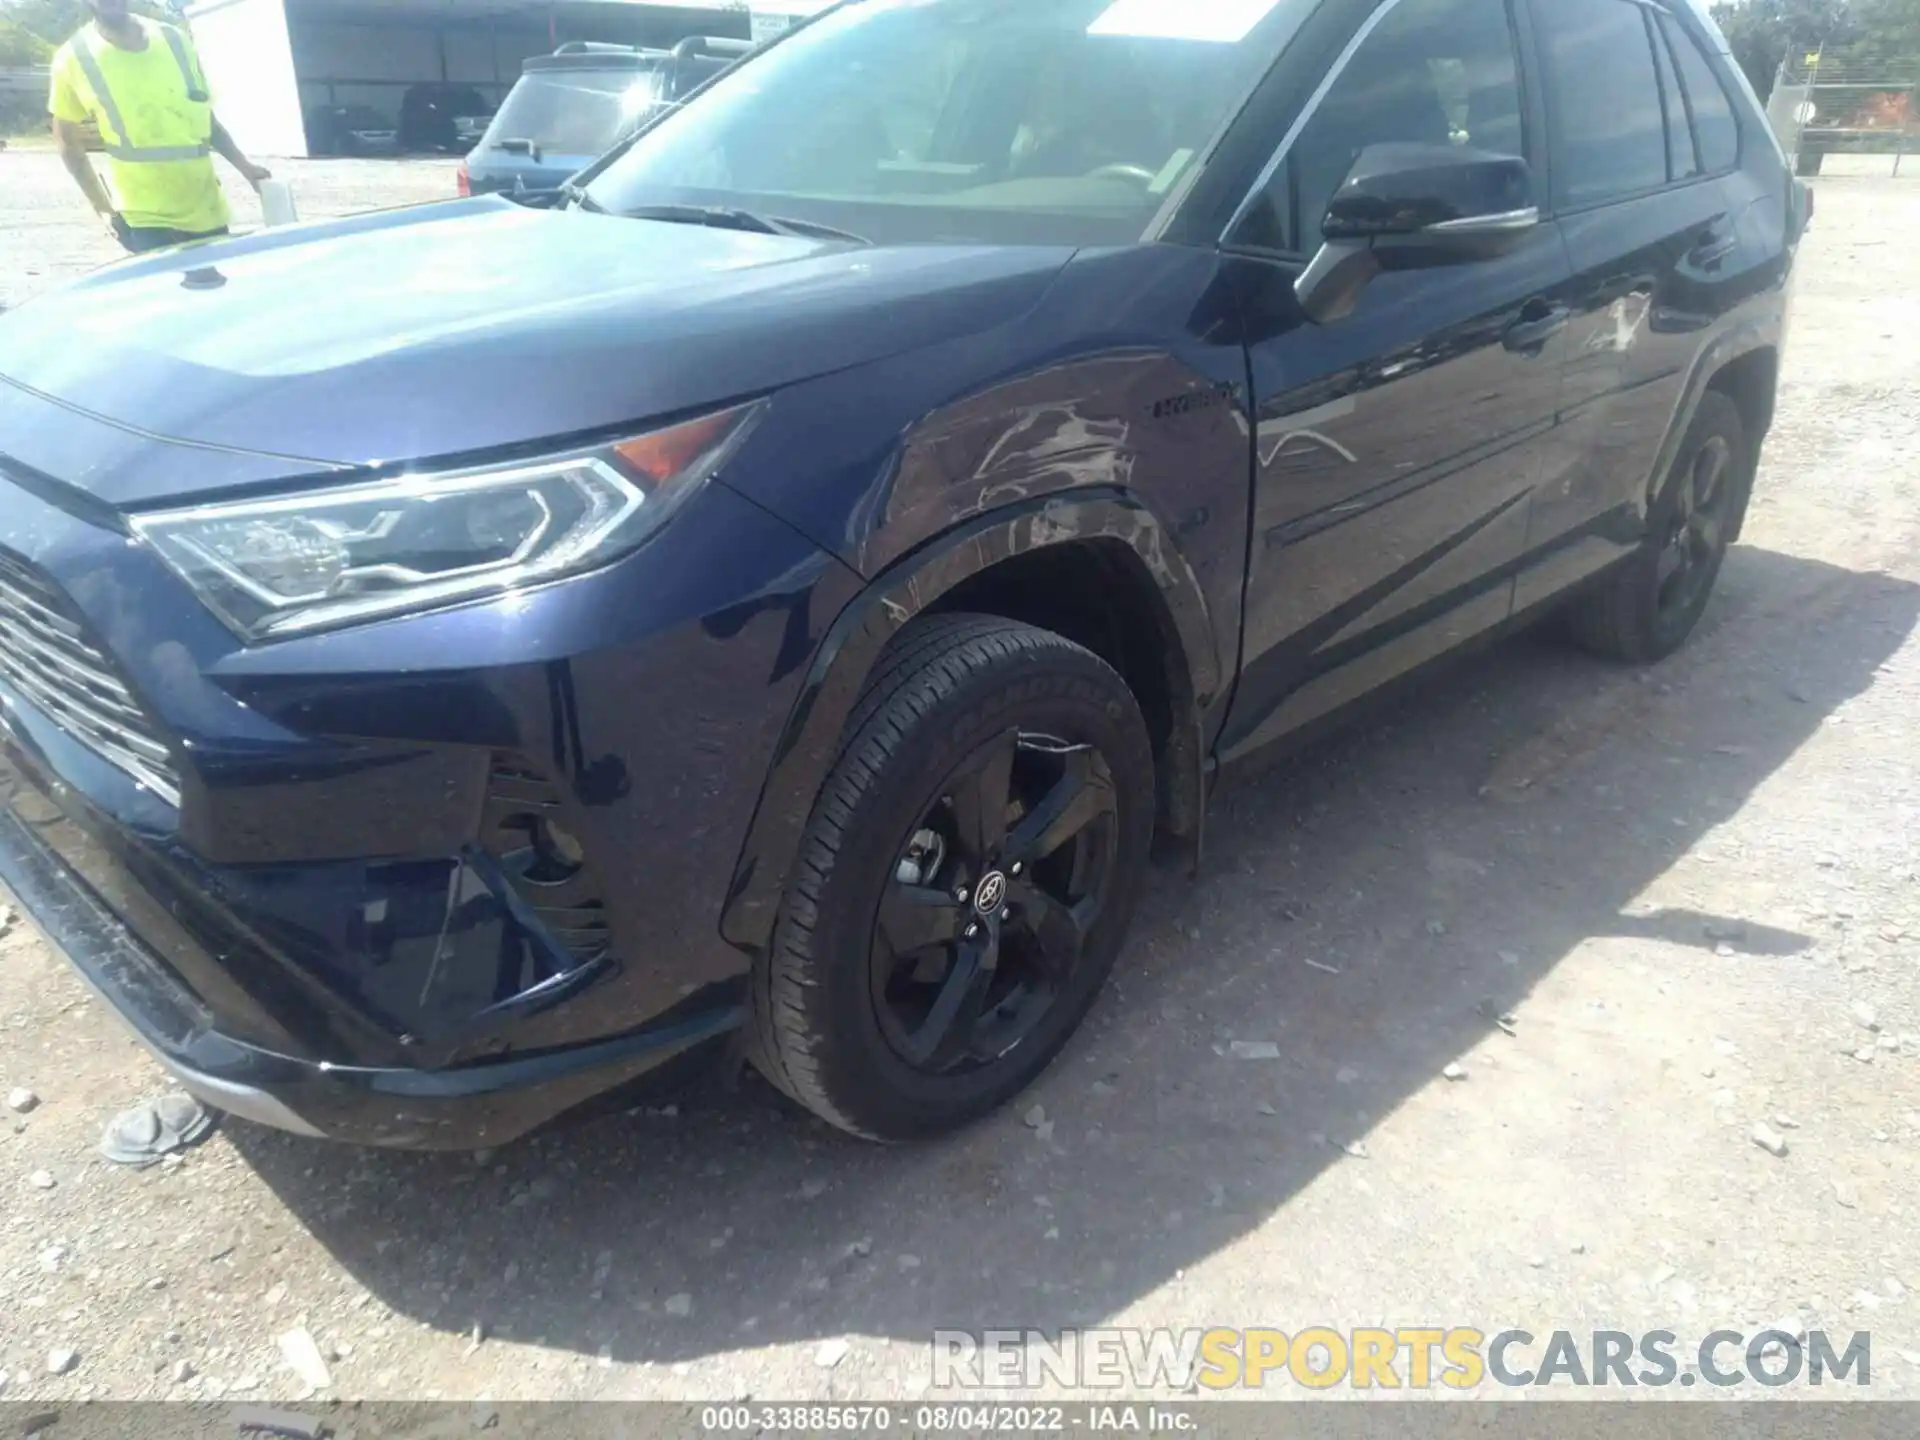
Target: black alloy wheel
x: 987, y: 918
x: 1647, y: 605
x: 968, y: 875
x: 1695, y: 530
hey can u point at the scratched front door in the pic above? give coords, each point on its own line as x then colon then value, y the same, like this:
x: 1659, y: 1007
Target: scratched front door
x: 1396, y: 447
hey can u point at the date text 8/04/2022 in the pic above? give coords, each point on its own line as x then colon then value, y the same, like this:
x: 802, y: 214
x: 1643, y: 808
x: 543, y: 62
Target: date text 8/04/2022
x: 962, y: 1417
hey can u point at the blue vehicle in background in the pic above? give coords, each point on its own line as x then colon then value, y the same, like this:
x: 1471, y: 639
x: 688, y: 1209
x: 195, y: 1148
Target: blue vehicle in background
x: 570, y: 107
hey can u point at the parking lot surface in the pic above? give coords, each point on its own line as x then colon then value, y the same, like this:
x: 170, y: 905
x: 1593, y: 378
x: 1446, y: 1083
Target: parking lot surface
x: 47, y: 233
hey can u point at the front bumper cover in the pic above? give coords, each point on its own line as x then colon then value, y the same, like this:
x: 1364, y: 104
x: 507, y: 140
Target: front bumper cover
x: 458, y: 1108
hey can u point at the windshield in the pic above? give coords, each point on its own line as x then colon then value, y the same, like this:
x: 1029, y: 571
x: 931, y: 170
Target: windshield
x: 995, y: 121
x: 574, y: 112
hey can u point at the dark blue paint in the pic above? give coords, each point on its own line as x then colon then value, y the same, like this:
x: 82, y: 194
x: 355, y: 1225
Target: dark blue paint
x: 1308, y: 511
x: 473, y: 326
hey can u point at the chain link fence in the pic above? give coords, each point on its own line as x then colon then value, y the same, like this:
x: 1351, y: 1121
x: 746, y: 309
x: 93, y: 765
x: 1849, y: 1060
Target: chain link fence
x: 1856, y: 104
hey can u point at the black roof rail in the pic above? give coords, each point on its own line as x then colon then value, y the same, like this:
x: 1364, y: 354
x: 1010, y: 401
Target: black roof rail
x: 590, y: 55
x: 710, y: 45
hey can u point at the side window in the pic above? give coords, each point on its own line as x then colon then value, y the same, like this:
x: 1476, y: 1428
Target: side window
x: 1682, y: 162
x: 1714, y: 127
x: 908, y: 100
x: 1601, y: 87
x: 1435, y: 72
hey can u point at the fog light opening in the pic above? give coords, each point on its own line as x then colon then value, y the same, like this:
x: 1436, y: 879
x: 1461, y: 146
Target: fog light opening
x: 558, y: 855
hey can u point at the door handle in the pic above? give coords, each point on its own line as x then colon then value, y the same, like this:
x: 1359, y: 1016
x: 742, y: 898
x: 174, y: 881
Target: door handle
x: 1539, y: 322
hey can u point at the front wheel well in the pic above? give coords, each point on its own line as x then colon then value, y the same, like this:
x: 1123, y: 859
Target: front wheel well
x: 1099, y: 595
x: 1751, y: 382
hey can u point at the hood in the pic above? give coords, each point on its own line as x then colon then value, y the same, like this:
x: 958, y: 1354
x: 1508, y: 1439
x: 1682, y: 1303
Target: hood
x: 464, y: 327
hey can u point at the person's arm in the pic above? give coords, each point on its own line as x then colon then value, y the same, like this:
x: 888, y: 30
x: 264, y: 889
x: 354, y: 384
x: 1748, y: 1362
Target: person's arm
x: 223, y: 144
x: 72, y: 141
x: 69, y: 114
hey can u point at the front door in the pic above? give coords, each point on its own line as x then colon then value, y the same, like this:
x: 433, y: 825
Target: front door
x: 1395, y: 447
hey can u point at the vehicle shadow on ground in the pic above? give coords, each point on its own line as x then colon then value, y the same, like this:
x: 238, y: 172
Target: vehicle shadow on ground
x: 1373, y: 908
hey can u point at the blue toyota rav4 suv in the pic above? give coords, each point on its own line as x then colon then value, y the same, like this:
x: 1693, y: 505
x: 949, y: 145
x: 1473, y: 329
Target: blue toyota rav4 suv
x: 457, y: 661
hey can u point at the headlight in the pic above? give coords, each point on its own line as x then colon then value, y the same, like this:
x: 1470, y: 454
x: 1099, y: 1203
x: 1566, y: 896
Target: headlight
x: 294, y: 564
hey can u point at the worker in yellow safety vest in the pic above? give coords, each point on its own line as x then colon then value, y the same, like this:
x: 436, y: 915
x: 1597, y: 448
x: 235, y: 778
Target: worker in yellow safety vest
x: 140, y: 83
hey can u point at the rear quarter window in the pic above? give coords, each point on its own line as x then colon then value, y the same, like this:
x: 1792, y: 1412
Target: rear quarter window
x: 1715, y: 130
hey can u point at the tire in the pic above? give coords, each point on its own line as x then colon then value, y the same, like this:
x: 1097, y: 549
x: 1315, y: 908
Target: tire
x: 827, y: 1026
x: 1645, y: 609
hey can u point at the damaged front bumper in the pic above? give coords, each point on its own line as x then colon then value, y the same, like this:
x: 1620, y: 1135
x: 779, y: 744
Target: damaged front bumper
x: 459, y: 1107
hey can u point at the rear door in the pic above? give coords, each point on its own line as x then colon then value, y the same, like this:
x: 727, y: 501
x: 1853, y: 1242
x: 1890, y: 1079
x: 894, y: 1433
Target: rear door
x: 1396, y: 447
x: 1638, y: 186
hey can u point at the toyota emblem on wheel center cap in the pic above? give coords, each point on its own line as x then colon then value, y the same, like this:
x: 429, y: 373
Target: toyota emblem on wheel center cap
x: 991, y: 894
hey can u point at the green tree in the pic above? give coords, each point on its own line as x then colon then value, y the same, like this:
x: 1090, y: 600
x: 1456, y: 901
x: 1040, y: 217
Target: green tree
x: 1890, y: 27
x: 20, y: 47
x: 1762, y: 33
x: 54, y: 20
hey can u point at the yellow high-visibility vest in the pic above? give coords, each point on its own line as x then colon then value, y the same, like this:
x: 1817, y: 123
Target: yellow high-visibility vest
x: 155, y: 117
x: 192, y: 132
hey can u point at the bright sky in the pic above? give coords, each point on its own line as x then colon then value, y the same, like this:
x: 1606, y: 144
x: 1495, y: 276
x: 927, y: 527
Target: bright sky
x: 1227, y: 21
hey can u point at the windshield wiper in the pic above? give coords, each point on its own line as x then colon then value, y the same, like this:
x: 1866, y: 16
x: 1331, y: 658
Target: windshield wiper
x: 579, y: 199
x: 722, y: 217
x: 519, y: 145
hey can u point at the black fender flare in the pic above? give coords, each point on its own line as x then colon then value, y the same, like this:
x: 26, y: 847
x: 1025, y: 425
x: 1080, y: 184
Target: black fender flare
x: 1761, y: 332
x: 809, y: 743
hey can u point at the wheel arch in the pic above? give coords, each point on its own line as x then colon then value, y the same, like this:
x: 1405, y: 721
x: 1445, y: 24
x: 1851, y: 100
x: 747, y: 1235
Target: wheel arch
x: 1011, y: 563
x: 1742, y: 363
x: 1751, y: 380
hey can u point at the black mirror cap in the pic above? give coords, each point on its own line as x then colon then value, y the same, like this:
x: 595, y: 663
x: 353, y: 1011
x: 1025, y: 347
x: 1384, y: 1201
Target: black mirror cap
x: 1405, y: 189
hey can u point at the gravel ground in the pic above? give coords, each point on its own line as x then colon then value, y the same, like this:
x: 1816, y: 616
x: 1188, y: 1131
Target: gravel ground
x: 47, y: 233
x: 1682, y: 885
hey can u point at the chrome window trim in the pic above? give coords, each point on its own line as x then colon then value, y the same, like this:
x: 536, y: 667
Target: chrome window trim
x: 1524, y: 218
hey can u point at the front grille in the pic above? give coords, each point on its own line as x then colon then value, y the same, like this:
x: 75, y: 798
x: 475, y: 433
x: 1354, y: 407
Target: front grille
x: 46, y: 658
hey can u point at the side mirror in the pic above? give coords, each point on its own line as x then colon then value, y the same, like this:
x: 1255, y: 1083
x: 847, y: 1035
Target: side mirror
x: 1412, y: 207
